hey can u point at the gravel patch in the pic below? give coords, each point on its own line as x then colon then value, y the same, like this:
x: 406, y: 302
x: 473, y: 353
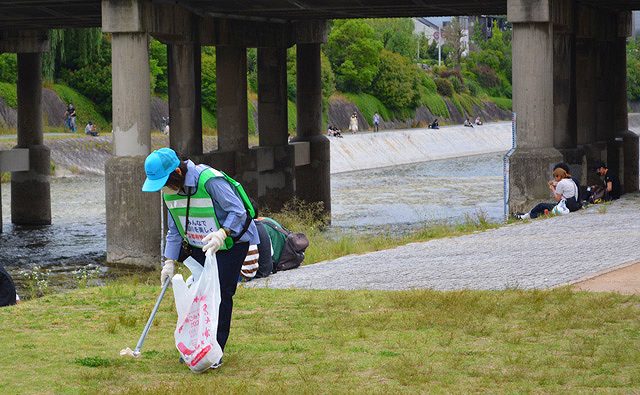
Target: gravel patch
x: 542, y: 253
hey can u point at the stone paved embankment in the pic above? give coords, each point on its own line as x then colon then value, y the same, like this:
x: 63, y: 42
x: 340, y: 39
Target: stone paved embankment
x: 542, y: 253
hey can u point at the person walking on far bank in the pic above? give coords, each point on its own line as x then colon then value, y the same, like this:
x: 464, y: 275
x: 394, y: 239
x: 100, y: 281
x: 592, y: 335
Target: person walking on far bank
x: 353, y: 123
x: 209, y: 214
x: 70, y: 118
x: 376, y: 122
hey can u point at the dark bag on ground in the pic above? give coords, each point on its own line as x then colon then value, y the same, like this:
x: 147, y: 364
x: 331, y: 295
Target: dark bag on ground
x: 597, y: 194
x: 293, y: 251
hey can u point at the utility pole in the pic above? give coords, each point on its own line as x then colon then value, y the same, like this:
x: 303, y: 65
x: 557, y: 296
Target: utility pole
x: 439, y: 46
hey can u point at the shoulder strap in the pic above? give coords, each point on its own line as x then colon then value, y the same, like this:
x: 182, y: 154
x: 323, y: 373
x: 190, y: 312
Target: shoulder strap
x: 273, y: 225
x: 186, y: 222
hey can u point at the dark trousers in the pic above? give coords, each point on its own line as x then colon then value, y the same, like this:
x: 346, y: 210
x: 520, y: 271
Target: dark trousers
x: 539, y: 209
x: 229, y: 265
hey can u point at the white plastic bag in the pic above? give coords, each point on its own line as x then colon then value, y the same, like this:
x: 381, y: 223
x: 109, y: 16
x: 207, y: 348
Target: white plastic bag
x: 560, y: 208
x: 197, y: 305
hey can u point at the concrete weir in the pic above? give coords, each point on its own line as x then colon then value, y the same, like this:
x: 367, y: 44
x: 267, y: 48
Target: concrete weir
x: 399, y: 147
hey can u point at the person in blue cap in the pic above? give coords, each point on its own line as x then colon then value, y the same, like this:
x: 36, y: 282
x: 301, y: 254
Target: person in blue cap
x: 209, y: 214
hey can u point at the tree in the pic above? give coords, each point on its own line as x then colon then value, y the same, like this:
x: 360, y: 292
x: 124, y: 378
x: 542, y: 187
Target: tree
x: 633, y: 69
x: 158, y: 66
x: 453, y: 34
x: 208, y: 83
x: 396, y: 35
x: 73, y: 49
x: 354, y: 53
x: 396, y: 85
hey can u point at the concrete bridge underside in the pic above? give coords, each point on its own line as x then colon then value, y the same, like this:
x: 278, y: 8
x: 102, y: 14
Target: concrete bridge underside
x: 569, y: 93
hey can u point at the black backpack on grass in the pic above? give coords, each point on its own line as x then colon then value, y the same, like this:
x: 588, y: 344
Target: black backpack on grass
x: 293, y: 250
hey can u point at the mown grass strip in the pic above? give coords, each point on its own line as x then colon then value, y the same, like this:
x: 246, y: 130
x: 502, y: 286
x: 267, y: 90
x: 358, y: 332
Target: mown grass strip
x: 297, y: 341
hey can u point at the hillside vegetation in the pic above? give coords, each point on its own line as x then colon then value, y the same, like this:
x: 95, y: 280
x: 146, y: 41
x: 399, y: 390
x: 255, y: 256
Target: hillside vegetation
x: 368, y: 66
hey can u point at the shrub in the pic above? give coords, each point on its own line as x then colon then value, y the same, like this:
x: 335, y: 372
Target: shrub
x: 435, y: 104
x: 9, y: 93
x: 474, y: 88
x: 428, y: 83
x: 444, y: 87
x: 92, y: 81
x: 487, y: 77
x: 9, y: 68
x: 457, y: 84
x: 397, y: 82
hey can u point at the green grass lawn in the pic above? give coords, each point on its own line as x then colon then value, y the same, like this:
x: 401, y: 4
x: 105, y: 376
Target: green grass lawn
x: 297, y: 341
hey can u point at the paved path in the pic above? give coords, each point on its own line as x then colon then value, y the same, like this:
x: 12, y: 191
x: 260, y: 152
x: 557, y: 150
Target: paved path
x: 538, y: 254
x: 625, y: 280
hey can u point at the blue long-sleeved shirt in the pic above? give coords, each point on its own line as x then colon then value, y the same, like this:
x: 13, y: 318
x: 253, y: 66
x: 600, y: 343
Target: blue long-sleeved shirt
x: 228, y: 206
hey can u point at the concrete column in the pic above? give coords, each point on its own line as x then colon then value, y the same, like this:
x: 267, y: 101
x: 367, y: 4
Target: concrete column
x: 313, y: 182
x: 185, y: 111
x: 133, y: 217
x: 272, y: 96
x: 624, y: 150
x: 30, y: 190
x: 231, y: 94
x: 585, y: 76
x: 533, y: 95
x: 605, y: 24
x: 131, y: 94
x: 275, y: 159
x: 564, y: 89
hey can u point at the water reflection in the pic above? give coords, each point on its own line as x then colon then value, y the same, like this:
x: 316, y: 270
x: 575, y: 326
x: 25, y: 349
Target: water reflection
x: 401, y: 197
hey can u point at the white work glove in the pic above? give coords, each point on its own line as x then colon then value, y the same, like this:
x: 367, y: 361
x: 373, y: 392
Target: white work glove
x: 214, y: 241
x: 167, y: 271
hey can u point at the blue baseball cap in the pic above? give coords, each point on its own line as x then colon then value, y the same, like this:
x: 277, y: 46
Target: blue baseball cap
x: 158, y: 166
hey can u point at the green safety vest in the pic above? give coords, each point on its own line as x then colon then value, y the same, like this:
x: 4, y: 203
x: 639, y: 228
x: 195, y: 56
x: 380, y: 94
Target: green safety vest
x: 277, y: 237
x: 202, y: 215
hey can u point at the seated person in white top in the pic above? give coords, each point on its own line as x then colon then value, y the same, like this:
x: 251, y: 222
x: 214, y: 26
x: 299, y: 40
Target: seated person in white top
x: 563, y: 188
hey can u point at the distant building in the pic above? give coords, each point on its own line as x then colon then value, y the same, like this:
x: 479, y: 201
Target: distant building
x: 429, y: 27
x: 423, y: 26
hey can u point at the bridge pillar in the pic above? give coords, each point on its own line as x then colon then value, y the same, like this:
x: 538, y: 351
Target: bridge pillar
x: 231, y: 94
x: 133, y: 217
x: 564, y: 15
x: 623, y: 147
x: 585, y: 76
x: 533, y: 95
x: 275, y: 184
x: 185, y: 111
x: 30, y: 190
x: 313, y: 181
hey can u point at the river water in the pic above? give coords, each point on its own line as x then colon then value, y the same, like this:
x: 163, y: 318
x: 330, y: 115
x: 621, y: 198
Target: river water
x: 401, y: 198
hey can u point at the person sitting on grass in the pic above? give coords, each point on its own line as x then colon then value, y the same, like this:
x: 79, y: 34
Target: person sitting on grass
x: 90, y: 129
x: 565, y: 192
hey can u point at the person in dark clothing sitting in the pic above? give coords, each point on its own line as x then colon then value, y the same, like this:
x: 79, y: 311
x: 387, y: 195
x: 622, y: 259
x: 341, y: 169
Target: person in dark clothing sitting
x: 611, y: 182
